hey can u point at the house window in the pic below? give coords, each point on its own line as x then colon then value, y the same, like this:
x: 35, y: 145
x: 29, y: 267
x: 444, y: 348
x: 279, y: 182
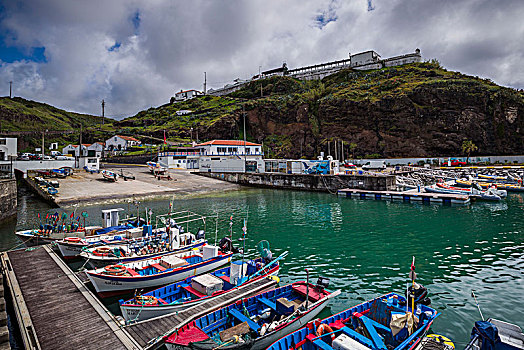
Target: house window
x: 116, y: 138
x: 3, y: 141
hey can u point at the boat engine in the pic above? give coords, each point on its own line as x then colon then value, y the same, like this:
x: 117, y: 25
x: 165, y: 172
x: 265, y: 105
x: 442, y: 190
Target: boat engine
x: 200, y: 234
x: 420, y: 293
x: 226, y: 245
x: 322, y: 283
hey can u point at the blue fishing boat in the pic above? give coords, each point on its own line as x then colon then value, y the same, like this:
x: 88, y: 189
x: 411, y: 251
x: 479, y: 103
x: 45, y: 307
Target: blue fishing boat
x: 164, y: 269
x: 255, y: 322
x: 381, y: 323
x: 194, y: 290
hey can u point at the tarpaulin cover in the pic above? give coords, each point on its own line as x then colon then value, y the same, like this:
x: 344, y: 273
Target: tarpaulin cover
x: 488, y: 333
x: 111, y: 228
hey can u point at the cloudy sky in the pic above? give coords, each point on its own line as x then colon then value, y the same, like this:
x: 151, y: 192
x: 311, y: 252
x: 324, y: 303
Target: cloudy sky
x: 136, y: 54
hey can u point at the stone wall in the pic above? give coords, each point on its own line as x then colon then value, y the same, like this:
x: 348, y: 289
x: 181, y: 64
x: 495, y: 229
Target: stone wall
x: 8, y: 200
x: 323, y: 183
x: 141, y: 159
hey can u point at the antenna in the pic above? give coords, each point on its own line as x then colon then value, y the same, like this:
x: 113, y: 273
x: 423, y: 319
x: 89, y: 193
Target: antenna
x: 370, y: 6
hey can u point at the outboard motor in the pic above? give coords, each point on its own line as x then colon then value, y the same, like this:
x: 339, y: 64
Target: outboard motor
x: 268, y: 256
x: 322, y: 283
x: 420, y: 293
x: 200, y: 234
x: 226, y: 245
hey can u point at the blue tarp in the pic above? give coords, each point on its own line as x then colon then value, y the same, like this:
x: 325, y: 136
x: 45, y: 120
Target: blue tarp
x: 111, y: 228
x: 488, y: 333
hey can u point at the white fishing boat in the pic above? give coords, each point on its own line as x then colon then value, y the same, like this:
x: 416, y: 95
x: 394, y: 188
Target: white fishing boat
x: 165, y: 269
x: 170, y: 238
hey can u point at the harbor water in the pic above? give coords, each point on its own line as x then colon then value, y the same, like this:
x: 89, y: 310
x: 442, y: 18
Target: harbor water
x: 365, y: 247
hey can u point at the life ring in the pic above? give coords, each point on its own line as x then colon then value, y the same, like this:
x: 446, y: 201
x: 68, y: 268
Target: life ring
x: 115, y: 269
x: 72, y: 239
x: 102, y: 251
x: 441, y: 339
x: 324, y: 329
x: 146, y: 300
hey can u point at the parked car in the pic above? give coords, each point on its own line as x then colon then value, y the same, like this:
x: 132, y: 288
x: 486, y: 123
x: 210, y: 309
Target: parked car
x: 374, y: 165
x: 349, y: 165
x: 456, y: 162
x: 48, y: 158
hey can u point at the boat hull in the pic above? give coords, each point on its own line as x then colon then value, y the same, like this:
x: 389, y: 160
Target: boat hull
x: 102, y: 261
x: 138, y: 313
x: 109, y: 284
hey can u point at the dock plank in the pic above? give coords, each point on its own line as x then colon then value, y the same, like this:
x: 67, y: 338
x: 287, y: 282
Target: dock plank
x: 61, y: 316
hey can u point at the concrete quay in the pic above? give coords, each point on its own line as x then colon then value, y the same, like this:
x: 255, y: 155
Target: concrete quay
x: 86, y: 187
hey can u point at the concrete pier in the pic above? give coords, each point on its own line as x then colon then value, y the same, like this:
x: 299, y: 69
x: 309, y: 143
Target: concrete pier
x: 308, y: 182
x: 8, y: 200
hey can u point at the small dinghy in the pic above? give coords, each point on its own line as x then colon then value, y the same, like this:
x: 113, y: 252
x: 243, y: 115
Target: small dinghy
x: 165, y: 269
x: 194, y: 290
x: 381, y: 323
x: 255, y: 322
x: 109, y: 175
x: 494, y: 334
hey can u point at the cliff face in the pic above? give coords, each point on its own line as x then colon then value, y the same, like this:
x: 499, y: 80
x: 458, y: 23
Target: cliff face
x: 417, y: 110
x: 419, y: 116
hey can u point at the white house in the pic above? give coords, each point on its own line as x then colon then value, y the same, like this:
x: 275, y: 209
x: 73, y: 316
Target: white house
x: 182, y: 158
x: 230, y: 156
x: 8, y: 148
x: 186, y: 95
x: 95, y: 149
x: 119, y: 143
x: 89, y: 163
x: 71, y: 150
x: 230, y: 148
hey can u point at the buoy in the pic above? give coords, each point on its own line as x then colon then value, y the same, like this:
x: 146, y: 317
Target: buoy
x: 275, y: 278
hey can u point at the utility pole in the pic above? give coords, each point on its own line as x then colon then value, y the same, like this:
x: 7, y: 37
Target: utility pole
x: 43, y: 133
x: 260, y: 78
x: 205, y: 82
x: 244, y: 115
x: 103, y: 111
x: 10, y: 89
x: 80, y: 145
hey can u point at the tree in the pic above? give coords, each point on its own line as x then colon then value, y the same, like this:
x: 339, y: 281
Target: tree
x: 467, y: 147
x: 352, y: 147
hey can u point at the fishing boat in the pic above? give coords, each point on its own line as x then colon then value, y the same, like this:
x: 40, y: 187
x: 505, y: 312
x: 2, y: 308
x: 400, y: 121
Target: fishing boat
x: 491, y: 194
x: 255, y: 322
x: 381, y: 323
x: 109, y: 175
x: 194, y: 290
x: 501, y: 186
x: 151, y: 166
x: 167, y: 239
x: 71, y: 247
x: 164, y: 269
x: 495, y: 334
x: 56, y: 227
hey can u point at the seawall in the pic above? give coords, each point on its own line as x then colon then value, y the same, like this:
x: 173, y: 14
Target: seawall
x: 138, y: 159
x: 8, y: 200
x: 308, y: 182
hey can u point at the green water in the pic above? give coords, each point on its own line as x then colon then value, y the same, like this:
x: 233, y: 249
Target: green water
x: 365, y: 247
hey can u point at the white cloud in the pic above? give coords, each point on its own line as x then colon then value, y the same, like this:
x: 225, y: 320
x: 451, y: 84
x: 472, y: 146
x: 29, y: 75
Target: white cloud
x: 177, y: 41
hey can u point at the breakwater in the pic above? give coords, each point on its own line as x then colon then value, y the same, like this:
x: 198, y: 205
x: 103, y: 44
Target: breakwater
x: 308, y: 182
x: 8, y: 200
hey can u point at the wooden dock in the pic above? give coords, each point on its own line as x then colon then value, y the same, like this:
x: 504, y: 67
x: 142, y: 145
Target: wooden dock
x: 55, y: 309
x: 406, y: 196
x: 150, y: 333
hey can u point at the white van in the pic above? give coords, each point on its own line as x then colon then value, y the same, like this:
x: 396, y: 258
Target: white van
x: 374, y: 165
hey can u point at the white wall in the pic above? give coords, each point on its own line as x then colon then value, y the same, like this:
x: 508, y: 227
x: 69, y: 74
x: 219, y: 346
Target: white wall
x: 8, y: 146
x: 116, y: 143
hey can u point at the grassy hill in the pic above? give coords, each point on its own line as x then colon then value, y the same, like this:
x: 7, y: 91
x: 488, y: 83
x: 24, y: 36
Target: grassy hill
x: 27, y: 120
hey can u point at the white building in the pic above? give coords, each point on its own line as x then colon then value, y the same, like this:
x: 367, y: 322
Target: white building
x: 71, y: 150
x: 230, y: 156
x: 186, y: 95
x: 181, y: 158
x: 8, y: 148
x: 229, y: 148
x: 89, y: 163
x: 95, y: 149
x: 120, y: 143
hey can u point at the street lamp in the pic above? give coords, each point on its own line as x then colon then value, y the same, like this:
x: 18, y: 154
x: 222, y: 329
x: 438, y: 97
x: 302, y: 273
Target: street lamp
x: 191, y: 136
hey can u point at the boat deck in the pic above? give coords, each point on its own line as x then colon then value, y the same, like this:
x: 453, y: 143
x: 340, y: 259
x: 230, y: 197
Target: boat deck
x: 149, y: 333
x: 54, y: 308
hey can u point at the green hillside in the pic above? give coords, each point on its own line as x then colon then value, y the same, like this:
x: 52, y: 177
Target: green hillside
x: 27, y: 120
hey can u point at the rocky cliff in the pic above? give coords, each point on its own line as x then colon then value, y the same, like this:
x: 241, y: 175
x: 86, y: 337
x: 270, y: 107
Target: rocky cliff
x: 416, y: 110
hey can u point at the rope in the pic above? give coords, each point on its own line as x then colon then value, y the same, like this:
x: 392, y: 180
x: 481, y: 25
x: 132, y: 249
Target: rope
x: 18, y: 245
x: 326, y: 186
